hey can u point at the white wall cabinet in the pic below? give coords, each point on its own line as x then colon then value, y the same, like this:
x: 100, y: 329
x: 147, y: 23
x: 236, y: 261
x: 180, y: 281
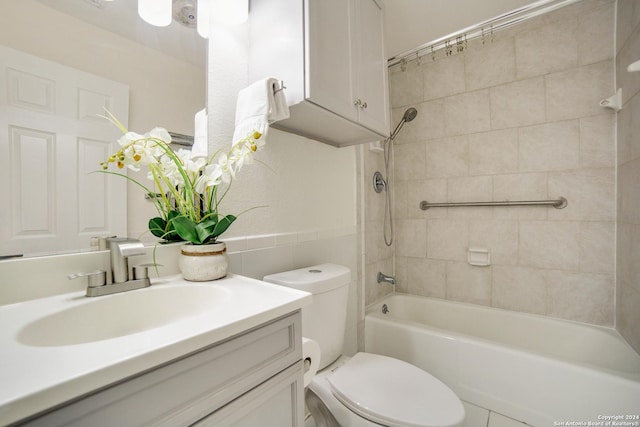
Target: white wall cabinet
x: 256, y: 375
x: 330, y: 55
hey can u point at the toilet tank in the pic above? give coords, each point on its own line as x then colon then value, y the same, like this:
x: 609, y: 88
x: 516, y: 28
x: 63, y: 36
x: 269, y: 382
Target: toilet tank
x: 324, y: 320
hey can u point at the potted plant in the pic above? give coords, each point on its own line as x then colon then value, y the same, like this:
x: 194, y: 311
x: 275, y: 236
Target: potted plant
x: 189, y: 192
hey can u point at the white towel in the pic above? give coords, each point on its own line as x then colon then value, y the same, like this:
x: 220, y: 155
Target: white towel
x: 258, y: 106
x: 200, y: 141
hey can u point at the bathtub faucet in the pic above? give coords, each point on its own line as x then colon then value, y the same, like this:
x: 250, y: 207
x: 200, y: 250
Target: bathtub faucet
x: 384, y: 278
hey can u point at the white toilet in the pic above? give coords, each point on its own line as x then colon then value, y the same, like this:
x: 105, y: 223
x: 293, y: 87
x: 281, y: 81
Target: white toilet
x: 366, y: 389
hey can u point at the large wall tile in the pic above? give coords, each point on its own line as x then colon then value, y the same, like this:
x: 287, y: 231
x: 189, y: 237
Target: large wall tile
x: 447, y: 239
x: 549, y: 147
x: 411, y: 238
x: 519, y: 289
x: 551, y: 245
x: 499, y: 236
x: 595, y: 38
x: 629, y: 53
x: 448, y: 157
x: 635, y: 127
x: 551, y: 47
x: 628, y: 315
x: 590, y: 194
x: 624, y: 21
x: 428, y: 124
x: 467, y: 113
x: 629, y: 192
x: 494, y: 152
x: 523, y: 186
x: 427, y: 277
x: 469, y: 189
x: 584, y: 297
x: 434, y: 190
x: 519, y: 103
x: 577, y: 92
x: 481, y: 73
x: 597, y: 141
x: 410, y: 161
x: 467, y: 283
x: 405, y: 87
x: 443, y: 77
x: 597, y: 247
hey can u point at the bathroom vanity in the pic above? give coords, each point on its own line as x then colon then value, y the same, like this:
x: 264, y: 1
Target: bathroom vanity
x: 227, y: 352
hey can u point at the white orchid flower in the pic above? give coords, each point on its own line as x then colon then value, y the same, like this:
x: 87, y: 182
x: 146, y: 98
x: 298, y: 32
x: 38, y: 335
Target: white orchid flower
x: 160, y: 133
x: 192, y: 165
x: 227, y: 168
x: 211, y: 176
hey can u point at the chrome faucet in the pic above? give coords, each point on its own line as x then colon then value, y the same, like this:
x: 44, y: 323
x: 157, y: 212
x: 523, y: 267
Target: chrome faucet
x: 388, y: 279
x: 120, y: 277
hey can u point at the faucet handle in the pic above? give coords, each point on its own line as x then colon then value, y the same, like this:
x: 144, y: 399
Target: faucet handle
x: 96, y: 278
x: 141, y: 271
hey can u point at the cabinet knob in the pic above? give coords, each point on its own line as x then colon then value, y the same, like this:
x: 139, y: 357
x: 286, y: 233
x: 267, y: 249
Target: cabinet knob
x: 364, y: 105
x: 358, y: 103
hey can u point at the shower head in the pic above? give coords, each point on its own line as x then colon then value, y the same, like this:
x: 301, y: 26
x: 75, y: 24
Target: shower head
x: 408, y: 115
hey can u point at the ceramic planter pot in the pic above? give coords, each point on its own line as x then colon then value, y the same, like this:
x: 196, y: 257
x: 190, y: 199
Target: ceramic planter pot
x: 200, y: 263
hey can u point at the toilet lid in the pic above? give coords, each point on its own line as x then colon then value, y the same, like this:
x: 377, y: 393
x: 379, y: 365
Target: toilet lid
x: 395, y: 393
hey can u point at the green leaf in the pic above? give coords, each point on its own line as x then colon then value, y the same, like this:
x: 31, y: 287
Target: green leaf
x: 205, y: 229
x: 164, y: 229
x: 157, y: 226
x: 186, y: 229
x: 222, y: 225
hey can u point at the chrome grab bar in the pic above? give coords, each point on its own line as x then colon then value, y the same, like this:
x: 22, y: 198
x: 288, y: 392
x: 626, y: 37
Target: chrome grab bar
x: 560, y: 203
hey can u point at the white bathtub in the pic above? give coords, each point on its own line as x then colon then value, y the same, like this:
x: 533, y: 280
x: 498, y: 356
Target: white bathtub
x: 531, y: 368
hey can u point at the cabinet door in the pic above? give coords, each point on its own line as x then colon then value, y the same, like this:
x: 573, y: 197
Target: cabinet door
x: 371, y: 66
x: 275, y: 403
x: 329, y: 57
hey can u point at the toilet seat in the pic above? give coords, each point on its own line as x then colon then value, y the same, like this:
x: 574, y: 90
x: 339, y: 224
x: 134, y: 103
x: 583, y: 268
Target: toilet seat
x: 394, y: 393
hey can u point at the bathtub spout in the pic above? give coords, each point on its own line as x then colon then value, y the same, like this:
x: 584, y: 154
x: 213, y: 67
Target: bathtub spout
x: 388, y: 279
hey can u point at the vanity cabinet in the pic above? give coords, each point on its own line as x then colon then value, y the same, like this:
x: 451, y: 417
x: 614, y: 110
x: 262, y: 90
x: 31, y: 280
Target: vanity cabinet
x: 330, y: 56
x: 253, y: 378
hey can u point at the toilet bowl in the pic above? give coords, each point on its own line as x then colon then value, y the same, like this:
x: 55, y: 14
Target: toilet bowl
x: 366, y: 389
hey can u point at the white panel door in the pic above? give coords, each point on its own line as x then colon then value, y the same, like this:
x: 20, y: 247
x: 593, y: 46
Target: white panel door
x: 51, y: 141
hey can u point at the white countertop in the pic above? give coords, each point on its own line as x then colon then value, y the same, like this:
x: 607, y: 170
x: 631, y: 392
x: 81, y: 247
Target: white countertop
x: 34, y: 378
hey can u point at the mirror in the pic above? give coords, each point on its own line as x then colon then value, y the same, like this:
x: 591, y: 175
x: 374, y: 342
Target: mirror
x: 163, y: 68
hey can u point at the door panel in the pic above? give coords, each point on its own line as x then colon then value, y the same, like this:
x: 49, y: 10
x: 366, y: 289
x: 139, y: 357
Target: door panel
x: 51, y: 141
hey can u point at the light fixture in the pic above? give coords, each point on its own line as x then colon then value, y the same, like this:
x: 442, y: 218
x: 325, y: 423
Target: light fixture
x: 230, y: 12
x: 155, y: 12
x: 202, y: 24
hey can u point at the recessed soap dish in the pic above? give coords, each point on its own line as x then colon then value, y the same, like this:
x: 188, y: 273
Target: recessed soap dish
x: 480, y: 257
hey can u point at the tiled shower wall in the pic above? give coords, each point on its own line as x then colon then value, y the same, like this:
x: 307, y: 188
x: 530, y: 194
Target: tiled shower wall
x: 515, y: 116
x: 628, y: 259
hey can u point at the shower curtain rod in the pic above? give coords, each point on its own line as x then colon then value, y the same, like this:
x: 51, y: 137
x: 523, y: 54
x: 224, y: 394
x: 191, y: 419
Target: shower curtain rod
x: 486, y: 28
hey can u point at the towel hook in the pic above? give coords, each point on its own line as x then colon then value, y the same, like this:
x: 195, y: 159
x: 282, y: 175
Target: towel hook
x: 277, y: 87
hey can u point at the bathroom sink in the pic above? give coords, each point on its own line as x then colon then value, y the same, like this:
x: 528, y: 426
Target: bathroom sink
x: 102, y: 318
